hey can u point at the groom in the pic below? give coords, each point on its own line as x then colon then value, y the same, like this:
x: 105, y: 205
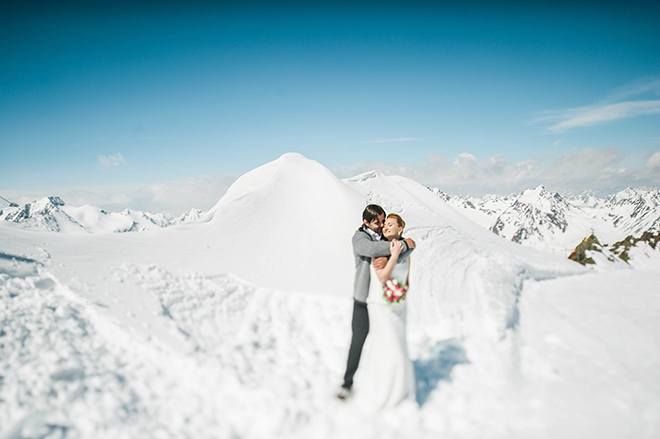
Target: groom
x: 367, y: 244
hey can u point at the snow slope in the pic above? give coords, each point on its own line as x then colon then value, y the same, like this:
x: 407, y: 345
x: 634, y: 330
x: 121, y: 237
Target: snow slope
x: 595, y: 334
x: 221, y: 328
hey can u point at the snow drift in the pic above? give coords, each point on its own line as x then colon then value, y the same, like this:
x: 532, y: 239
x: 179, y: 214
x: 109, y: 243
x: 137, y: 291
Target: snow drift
x: 288, y: 224
x: 238, y: 325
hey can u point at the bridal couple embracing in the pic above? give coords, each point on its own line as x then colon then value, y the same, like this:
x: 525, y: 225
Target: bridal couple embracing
x: 382, y: 266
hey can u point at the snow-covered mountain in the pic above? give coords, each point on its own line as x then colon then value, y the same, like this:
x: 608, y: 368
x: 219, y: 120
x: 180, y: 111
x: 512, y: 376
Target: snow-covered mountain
x: 480, y: 210
x: 557, y: 224
x: 634, y: 211
x: 238, y: 325
x: 54, y: 215
x: 534, y: 215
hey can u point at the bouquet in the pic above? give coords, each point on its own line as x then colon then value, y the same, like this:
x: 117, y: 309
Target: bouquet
x: 394, y: 290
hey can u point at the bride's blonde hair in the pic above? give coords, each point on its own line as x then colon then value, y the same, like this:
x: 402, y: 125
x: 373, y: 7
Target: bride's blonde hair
x: 399, y: 220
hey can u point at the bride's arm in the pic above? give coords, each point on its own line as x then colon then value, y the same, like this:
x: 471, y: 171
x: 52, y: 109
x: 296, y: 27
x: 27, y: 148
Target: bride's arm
x: 385, y: 273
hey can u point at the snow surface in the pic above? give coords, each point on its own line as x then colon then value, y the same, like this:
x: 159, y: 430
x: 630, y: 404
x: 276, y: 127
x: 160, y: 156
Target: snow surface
x: 238, y: 325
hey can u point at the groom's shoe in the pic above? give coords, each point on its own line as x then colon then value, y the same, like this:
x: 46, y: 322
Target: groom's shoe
x: 344, y: 393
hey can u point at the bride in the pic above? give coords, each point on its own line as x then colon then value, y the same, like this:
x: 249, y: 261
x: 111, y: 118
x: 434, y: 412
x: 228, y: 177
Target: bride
x: 387, y: 376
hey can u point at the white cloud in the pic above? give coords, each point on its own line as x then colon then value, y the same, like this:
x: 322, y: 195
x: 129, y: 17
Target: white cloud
x: 633, y: 100
x: 464, y: 166
x: 598, y: 114
x: 180, y: 196
x: 173, y: 196
x: 650, y: 87
x: 653, y: 164
x: 522, y: 172
x: 109, y: 161
x: 593, y: 169
x: 586, y: 162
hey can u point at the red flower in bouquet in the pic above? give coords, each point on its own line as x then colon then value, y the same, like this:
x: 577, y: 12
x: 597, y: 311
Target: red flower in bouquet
x: 394, y: 290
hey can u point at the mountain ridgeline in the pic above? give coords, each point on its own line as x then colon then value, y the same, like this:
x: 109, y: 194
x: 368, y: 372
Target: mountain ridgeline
x: 578, y: 225
x: 554, y: 223
x: 52, y: 214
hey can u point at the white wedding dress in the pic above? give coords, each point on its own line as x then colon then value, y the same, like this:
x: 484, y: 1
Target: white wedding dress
x: 386, y: 376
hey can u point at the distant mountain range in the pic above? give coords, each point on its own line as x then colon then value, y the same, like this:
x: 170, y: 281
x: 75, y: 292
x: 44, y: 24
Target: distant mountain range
x: 535, y: 217
x: 52, y: 214
x: 557, y: 224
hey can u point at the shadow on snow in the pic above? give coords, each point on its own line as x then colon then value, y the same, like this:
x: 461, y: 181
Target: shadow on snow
x: 436, y: 366
x: 18, y: 266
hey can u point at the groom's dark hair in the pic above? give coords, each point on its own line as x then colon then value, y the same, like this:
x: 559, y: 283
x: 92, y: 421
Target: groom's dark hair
x: 371, y: 212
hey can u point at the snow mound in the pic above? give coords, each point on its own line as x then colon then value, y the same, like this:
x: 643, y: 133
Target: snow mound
x: 286, y: 225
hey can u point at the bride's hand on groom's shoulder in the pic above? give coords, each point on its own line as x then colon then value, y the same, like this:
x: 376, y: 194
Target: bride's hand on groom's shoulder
x: 410, y: 242
x: 396, y: 247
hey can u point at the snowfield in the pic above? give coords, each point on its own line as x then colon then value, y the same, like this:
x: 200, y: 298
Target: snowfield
x: 237, y: 325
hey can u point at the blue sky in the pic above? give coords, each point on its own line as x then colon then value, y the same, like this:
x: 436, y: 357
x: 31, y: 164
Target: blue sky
x: 477, y: 98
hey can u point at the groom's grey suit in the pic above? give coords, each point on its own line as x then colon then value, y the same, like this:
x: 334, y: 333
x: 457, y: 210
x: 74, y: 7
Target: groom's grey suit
x: 366, y: 245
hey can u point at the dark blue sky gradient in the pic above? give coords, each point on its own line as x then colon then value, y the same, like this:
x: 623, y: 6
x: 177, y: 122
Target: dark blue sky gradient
x: 198, y: 89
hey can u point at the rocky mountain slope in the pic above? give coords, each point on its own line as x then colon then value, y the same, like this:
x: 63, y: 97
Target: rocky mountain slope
x: 557, y: 224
